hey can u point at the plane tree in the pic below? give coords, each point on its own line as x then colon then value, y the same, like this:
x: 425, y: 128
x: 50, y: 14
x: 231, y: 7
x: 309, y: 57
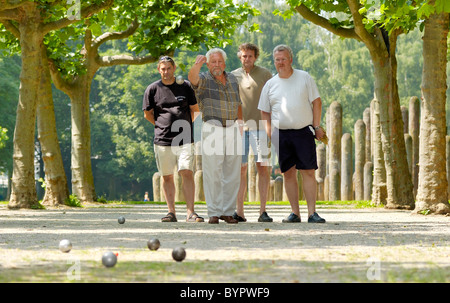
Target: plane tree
x: 432, y: 16
x: 29, y: 22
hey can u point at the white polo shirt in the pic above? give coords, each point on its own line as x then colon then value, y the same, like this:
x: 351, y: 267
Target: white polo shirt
x: 289, y: 100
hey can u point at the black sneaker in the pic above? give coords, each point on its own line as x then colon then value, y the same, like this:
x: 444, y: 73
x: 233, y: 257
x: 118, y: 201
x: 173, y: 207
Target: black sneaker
x: 292, y: 218
x: 239, y: 218
x: 315, y: 218
x: 265, y: 218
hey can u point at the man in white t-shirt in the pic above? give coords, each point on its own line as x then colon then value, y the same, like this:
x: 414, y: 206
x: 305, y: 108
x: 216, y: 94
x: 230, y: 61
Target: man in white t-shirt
x: 291, y: 106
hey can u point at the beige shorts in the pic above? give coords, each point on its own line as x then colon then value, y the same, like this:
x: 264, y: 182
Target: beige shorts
x: 170, y: 158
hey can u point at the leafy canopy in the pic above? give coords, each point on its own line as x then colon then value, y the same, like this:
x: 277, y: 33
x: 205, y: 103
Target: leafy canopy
x: 163, y: 27
x: 389, y: 14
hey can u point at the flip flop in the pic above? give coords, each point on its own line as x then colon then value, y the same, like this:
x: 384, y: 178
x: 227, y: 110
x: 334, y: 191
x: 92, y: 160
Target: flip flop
x: 193, y: 217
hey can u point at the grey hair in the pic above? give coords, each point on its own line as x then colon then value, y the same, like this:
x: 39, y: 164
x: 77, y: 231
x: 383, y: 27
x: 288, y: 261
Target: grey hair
x: 214, y: 51
x: 283, y: 47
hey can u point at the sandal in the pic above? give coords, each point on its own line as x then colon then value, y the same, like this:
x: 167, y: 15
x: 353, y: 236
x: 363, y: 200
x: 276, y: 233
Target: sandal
x: 170, y: 217
x: 193, y: 217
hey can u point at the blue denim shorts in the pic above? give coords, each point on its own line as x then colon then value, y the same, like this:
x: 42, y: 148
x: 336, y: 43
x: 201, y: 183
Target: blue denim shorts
x: 259, y: 142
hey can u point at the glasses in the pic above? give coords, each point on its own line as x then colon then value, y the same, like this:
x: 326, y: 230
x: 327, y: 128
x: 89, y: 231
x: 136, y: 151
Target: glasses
x: 165, y: 58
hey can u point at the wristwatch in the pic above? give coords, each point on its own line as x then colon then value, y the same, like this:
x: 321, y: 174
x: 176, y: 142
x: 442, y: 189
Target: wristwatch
x: 316, y: 127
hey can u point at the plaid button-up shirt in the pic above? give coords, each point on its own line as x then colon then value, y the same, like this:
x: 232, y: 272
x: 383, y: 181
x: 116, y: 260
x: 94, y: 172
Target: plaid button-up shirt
x: 217, y: 101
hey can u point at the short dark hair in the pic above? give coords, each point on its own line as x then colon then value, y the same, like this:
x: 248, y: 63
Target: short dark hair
x: 166, y: 59
x: 248, y: 46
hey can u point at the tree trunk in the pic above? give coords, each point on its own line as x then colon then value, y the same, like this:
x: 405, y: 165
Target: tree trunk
x: 382, y: 51
x: 82, y: 176
x: 398, y: 180
x: 432, y: 188
x: 56, y: 190
x: 23, y: 190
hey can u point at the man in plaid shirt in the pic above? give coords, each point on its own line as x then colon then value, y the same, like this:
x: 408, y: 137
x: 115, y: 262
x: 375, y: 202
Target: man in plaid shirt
x: 219, y: 102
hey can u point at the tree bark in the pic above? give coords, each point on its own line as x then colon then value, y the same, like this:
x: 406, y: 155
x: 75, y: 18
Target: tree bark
x: 398, y: 180
x: 23, y: 190
x: 432, y: 188
x: 56, y: 190
x: 82, y: 176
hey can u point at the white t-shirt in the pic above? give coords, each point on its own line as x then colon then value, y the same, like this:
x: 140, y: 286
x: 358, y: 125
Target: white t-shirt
x: 289, y: 100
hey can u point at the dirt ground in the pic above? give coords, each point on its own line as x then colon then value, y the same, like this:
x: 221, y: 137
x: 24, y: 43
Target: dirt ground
x: 355, y: 245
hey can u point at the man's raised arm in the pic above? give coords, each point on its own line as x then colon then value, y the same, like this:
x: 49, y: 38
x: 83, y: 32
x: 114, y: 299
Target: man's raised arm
x: 194, y: 72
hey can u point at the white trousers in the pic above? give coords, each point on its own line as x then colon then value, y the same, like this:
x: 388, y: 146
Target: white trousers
x: 221, y: 163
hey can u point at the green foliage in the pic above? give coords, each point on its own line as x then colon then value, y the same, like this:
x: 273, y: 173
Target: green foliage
x: 64, y: 47
x: 164, y: 26
x: 9, y: 45
x: 410, y: 63
x: 167, y: 25
x: 425, y: 212
x: 406, y: 15
x: 9, y: 95
x: 37, y: 205
x: 73, y: 201
x: 102, y: 199
x: 122, y: 140
x: 3, y: 137
x: 42, y: 181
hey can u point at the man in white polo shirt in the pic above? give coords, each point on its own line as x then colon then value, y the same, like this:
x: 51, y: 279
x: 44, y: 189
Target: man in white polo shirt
x: 291, y: 106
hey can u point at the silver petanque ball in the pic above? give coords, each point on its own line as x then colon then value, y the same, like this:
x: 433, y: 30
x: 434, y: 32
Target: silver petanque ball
x: 121, y: 220
x: 180, y: 80
x: 65, y: 246
x: 153, y: 244
x: 178, y: 254
x: 109, y: 259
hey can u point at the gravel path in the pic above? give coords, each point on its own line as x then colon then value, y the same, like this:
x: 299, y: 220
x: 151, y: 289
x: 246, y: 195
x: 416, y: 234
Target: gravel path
x: 355, y: 245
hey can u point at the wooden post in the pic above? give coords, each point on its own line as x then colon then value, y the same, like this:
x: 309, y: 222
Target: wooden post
x: 368, y: 179
x: 346, y: 168
x: 198, y: 180
x: 178, y: 181
x: 367, y: 121
x: 278, y: 189
x: 414, y: 129
x: 335, y: 131
x: 161, y: 190
x: 156, y: 180
x: 321, y: 171
x: 405, y: 118
x: 360, y: 158
x: 408, y: 146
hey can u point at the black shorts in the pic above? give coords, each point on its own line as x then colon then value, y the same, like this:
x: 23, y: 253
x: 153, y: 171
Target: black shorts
x: 295, y: 147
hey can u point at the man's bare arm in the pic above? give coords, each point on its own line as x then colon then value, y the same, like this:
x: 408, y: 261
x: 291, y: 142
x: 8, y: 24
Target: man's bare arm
x: 150, y: 116
x: 194, y: 72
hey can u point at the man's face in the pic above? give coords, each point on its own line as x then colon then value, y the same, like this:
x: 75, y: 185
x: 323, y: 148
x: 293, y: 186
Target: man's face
x: 216, y: 64
x: 248, y: 58
x: 283, y: 61
x: 166, y: 70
